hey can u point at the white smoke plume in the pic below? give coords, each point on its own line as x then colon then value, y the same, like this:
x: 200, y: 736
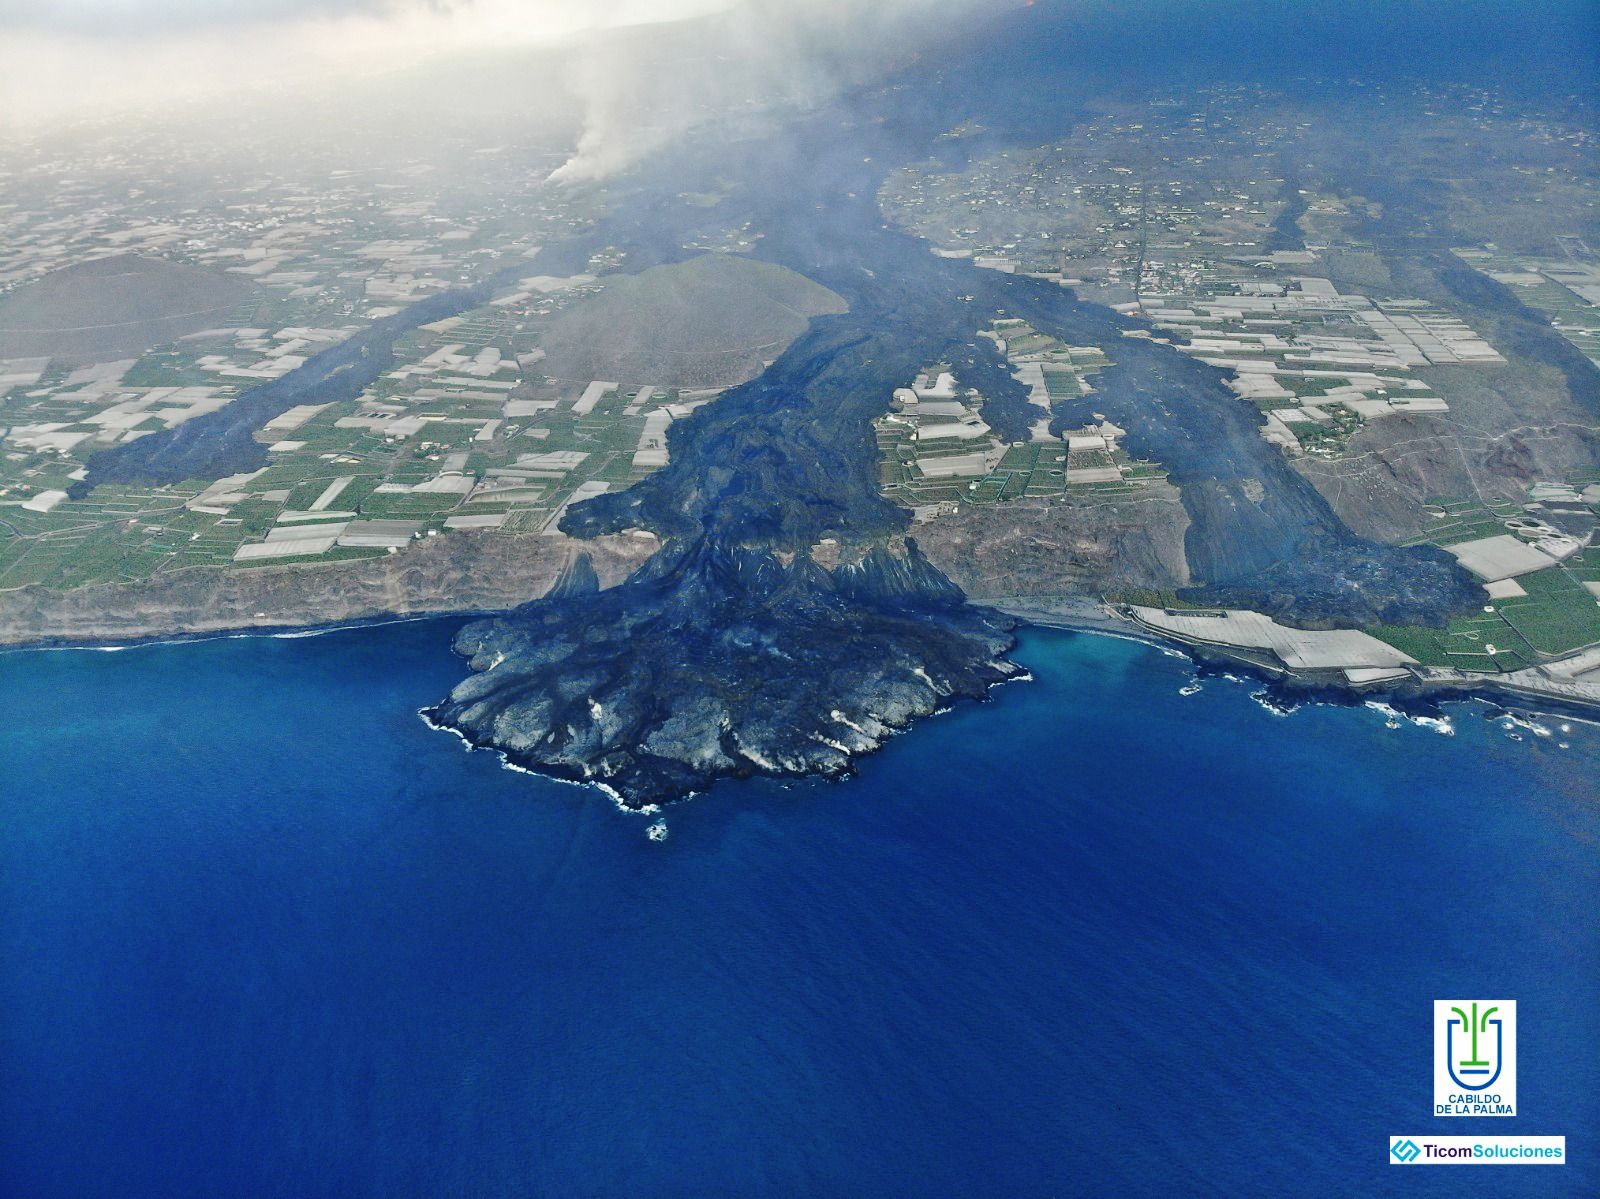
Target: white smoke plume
x: 644, y: 70
x: 641, y: 90
x: 70, y: 60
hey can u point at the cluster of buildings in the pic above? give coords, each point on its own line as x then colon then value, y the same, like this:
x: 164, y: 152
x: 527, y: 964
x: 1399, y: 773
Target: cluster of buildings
x: 463, y: 435
x: 936, y: 451
x: 1177, y: 210
x: 1567, y: 289
x: 1318, y: 363
x: 1556, y: 524
x: 464, y: 432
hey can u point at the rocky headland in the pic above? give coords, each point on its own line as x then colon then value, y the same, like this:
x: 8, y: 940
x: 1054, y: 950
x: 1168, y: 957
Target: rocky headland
x: 740, y: 661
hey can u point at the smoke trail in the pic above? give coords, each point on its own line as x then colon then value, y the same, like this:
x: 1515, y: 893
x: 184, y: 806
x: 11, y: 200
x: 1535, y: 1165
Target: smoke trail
x: 643, y: 88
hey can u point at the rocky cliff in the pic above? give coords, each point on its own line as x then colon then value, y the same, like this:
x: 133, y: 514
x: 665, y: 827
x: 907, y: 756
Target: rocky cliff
x: 459, y: 572
x: 737, y: 664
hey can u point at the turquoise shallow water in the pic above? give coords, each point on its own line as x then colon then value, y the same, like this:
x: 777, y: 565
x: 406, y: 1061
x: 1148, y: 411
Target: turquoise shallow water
x: 262, y: 932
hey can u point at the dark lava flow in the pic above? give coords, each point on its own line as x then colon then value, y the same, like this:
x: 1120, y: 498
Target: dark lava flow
x: 734, y: 651
x: 222, y: 442
x: 718, y: 658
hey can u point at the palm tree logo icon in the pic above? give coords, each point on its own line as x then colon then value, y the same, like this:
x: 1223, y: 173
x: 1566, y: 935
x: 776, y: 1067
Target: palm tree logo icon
x: 1468, y: 1056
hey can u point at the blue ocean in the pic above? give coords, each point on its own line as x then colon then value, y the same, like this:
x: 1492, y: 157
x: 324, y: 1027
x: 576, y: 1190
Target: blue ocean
x: 265, y: 933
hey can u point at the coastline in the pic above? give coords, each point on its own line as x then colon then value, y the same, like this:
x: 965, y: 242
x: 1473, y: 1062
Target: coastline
x: 1067, y: 613
x: 1083, y: 614
x: 288, y: 632
x: 461, y: 573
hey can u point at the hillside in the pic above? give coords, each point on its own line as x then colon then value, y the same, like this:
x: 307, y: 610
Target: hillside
x: 712, y: 321
x: 115, y: 307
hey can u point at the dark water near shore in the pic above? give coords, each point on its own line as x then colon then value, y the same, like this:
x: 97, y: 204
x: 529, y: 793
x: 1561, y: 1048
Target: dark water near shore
x: 264, y: 933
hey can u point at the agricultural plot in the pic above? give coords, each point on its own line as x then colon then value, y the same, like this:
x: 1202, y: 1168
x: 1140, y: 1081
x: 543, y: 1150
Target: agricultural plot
x: 463, y: 436
x: 1567, y: 290
x: 935, y: 451
x: 1531, y: 615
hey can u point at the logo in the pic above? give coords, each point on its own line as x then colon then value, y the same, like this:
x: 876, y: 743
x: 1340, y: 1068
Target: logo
x: 1427, y: 1150
x: 1474, y: 1057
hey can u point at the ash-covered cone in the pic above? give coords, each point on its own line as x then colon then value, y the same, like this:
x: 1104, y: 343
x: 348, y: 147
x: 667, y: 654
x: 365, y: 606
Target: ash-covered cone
x: 723, y: 660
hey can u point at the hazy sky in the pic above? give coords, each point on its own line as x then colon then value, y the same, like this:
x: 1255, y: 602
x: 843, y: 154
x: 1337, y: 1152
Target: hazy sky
x: 68, y: 60
x: 121, y: 18
x: 87, y: 58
